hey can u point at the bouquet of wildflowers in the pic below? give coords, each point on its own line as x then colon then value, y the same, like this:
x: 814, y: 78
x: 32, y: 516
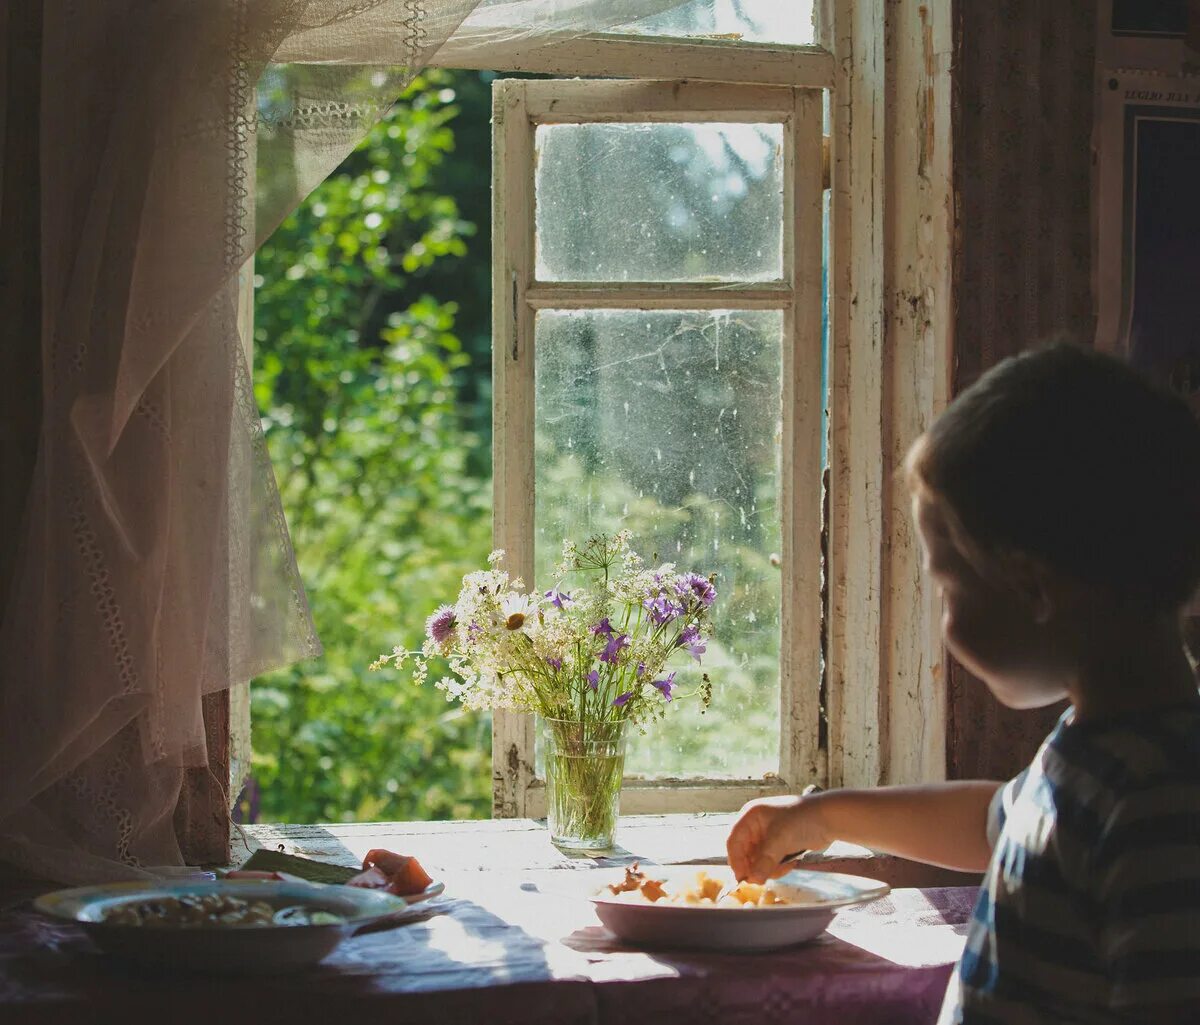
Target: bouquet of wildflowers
x: 593, y: 648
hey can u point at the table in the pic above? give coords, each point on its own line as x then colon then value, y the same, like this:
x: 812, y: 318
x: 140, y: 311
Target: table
x: 508, y: 943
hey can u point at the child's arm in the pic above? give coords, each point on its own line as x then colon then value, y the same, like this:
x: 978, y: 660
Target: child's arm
x: 939, y: 823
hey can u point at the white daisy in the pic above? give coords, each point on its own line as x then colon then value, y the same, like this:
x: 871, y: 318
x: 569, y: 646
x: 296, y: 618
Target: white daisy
x: 516, y: 608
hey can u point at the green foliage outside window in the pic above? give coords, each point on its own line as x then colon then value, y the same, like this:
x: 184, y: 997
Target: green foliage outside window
x: 374, y: 418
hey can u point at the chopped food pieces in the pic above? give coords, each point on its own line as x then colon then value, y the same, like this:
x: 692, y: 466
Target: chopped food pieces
x: 641, y: 888
x: 636, y: 881
x: 193, y: 911
x: 632, y: 881
x: 395, y: 873
x: 755, y: 895
x: 707, y: 888
x: 652, y: 890
x: 301, y: 914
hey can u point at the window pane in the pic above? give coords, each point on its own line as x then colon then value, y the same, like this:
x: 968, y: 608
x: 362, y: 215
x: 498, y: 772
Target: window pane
x: 659, y: 202
x: 755, y: 21
x: 668, y: 423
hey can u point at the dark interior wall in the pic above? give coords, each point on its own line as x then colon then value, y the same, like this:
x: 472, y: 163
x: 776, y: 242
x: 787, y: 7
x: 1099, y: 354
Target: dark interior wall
x: 1023, y: 74
x: 20, y: 271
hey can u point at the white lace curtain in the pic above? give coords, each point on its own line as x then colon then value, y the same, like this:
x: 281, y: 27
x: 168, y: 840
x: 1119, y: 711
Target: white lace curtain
x: 155, y: 565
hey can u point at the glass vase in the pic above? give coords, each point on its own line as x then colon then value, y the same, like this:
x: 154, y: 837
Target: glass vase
x: 585, y: 763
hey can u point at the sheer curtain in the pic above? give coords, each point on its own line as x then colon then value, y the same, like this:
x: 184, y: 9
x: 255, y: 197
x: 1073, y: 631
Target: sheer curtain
x: 155, y: 565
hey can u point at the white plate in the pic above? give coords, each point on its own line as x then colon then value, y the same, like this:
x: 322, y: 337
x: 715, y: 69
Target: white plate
x: 434, y: 889
x: 265, y: 948
x: 814, y: 898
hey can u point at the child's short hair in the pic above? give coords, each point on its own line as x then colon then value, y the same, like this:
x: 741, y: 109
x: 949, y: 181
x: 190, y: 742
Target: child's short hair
x: 1072, y: 457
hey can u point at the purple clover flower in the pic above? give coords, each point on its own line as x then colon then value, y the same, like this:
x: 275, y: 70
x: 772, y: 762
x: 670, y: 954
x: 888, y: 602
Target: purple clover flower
x: 695, y: 586
x: 554, y: 663
x: 559, y: 599
x: 440, y: 626
x: 662, y: 609
x: 603, y: 627
x: 691, y: 640
x: 593, y: 679
x: 665, y: 685
x: 612, y: 650
x: 622, y: 699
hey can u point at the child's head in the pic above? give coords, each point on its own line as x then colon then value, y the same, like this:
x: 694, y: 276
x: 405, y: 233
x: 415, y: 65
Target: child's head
x: 1060, y: 489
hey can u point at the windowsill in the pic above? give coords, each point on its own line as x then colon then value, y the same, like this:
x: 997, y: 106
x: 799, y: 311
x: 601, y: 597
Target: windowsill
x: 515, y: 845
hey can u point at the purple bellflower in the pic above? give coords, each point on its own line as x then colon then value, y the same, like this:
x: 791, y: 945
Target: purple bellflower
x: 662, y: 609
x: 612, y: 650
x: 691, y: 640
x: 696, y: 586
x: 665, y: 685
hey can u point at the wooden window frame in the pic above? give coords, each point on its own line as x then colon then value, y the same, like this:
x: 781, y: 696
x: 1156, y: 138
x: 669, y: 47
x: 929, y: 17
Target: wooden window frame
x: 519, y: 108
x: 892, y: 241
x: 892, y: 224
x: 616, y: 55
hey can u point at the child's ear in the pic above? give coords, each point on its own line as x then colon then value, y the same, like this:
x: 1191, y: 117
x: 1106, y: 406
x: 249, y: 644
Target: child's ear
x: 1034, y: 581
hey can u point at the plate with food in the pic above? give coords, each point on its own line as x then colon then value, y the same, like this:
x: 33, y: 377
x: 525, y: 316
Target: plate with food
x: 227, y: 925
x: 708, y: 909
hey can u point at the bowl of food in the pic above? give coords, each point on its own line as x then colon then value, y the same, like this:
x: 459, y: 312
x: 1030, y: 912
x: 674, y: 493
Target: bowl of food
x: 709, y: 910
x: 228, y: 925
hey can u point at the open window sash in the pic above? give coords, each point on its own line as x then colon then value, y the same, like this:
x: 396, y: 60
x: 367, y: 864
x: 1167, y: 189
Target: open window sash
x: 791, y: 291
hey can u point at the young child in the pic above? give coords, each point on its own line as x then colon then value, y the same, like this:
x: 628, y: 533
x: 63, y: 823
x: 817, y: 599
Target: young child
x: 1058, y: 504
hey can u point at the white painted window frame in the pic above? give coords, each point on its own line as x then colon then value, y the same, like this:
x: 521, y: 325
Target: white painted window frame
x: 519, y: 107
x: 615, y: 55
x: 888, y: 69
x: 891, y: 248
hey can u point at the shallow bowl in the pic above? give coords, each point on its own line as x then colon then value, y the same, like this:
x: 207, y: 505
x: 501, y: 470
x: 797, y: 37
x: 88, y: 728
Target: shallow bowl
x: 813, y: 899
x: 240, y: 949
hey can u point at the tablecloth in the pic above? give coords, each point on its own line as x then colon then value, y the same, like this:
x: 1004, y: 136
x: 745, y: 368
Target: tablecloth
x: 514, y: 948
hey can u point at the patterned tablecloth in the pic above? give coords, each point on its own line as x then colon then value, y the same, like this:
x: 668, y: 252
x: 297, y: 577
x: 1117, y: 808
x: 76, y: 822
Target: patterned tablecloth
x: 514, y: 947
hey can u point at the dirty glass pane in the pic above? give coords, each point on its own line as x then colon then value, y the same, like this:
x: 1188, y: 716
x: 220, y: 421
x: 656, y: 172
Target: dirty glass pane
x: 659, y: 202
x: 789, y: 22
x: 667, y: 423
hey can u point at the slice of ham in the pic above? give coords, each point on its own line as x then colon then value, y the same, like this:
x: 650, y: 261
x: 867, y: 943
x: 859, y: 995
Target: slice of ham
x: 395, y: 873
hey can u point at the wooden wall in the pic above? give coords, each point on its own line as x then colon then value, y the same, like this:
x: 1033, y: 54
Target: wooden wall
x: 1022, y: 262
x: 20, y: 271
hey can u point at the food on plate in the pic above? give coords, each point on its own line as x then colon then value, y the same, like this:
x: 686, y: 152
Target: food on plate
x: 192, y: 911
x: 637, y: 887
x: 395, y: 873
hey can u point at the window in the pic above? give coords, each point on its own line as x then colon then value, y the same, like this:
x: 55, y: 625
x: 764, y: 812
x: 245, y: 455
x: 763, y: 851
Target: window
x: 657, y: 335
x: 657, y: 354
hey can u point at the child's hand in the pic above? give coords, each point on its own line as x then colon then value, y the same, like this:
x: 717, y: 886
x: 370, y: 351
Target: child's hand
x: 769, y: 829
